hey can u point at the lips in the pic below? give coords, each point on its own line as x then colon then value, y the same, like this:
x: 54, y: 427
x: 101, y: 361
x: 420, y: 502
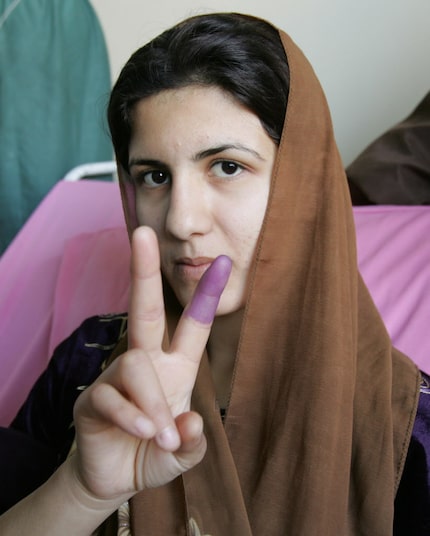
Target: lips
x: 192, y: 269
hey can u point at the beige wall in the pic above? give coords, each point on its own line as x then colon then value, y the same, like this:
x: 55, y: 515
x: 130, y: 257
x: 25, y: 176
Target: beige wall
x: 372, y: 56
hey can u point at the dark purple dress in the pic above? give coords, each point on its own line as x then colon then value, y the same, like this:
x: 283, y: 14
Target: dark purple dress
x: 42, y: 433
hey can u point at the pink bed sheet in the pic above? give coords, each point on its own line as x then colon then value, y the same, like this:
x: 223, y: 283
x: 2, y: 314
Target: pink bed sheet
x: 71, y: 260
x: 33, y: 275
x: 393, y: 244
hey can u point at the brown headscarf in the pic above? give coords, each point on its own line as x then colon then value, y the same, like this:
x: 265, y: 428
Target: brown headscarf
x: 321, y: 406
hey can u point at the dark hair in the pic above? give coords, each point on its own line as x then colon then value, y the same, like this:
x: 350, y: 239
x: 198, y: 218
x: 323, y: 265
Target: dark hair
x: 240, y: 54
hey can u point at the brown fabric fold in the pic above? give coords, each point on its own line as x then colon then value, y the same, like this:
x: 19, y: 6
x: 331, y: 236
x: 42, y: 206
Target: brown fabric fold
x: 321, y: 406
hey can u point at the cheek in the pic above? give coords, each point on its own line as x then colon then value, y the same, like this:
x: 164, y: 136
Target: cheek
x: 243, y: 230
x: 130, y: 203
x: 148, y: 214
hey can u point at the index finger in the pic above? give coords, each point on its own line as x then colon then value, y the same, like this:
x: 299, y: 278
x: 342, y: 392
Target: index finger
x: 193, y: 330
x: 146, y: 317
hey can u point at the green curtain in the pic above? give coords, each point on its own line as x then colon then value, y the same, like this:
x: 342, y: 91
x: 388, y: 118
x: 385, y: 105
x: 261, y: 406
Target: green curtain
x: 54, y: 86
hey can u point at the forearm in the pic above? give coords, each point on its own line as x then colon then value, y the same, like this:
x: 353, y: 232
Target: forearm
x: 60, y: 506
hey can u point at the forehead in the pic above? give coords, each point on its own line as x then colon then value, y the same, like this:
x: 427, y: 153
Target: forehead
x: 193, y: 114
x: 187, y: 98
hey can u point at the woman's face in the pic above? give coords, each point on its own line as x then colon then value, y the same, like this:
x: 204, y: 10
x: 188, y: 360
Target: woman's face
x: 201, y: 164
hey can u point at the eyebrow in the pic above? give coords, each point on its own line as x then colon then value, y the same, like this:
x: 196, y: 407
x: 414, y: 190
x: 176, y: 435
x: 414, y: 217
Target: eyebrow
x: 219, y: 149
x: 198, y: 156
x: 146, y: 162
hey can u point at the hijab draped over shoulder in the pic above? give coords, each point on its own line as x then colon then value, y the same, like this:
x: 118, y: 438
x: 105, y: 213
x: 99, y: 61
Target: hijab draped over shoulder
x: 321, y: 406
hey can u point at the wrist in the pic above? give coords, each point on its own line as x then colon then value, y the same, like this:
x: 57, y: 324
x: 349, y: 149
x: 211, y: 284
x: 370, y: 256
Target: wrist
x: 62, y: 505
x: 81, y: 495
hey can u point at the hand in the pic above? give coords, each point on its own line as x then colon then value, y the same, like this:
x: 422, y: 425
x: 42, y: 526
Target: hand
x: 134, y: 428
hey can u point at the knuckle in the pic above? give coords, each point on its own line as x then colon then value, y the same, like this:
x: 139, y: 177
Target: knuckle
x: 98, y: 394
x: 151, y: 314
x: 90, y: 400
x: 130, y: 362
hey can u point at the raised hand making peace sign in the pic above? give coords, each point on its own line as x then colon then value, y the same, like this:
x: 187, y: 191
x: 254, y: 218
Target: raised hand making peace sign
x: 134, y: 427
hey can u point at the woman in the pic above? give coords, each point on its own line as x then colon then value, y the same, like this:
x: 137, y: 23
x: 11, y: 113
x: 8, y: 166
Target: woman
x: 302, y: 412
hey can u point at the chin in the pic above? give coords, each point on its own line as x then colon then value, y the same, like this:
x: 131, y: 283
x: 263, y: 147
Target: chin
x: 229, y: 305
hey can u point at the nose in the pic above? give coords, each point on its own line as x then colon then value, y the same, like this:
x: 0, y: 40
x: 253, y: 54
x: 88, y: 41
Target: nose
x: 189, y: 210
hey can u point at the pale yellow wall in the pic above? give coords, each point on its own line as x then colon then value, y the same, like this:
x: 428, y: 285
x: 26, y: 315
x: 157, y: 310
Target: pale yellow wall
x: 372, y: 56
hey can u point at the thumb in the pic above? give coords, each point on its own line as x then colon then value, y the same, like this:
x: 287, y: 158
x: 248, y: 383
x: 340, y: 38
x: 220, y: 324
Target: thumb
x: 193, y: 440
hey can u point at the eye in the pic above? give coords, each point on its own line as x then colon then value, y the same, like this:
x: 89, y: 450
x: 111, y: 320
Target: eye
x: 153, y: 178
x: 226, y: 168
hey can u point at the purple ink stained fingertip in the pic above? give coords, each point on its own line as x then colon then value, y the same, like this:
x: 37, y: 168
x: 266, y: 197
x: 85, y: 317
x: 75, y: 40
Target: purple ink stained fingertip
x: 205, y: 301
x: 216, y: 276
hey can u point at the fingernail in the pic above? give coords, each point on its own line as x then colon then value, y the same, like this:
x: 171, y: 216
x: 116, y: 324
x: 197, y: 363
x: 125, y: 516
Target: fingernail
x: 168, y: 438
